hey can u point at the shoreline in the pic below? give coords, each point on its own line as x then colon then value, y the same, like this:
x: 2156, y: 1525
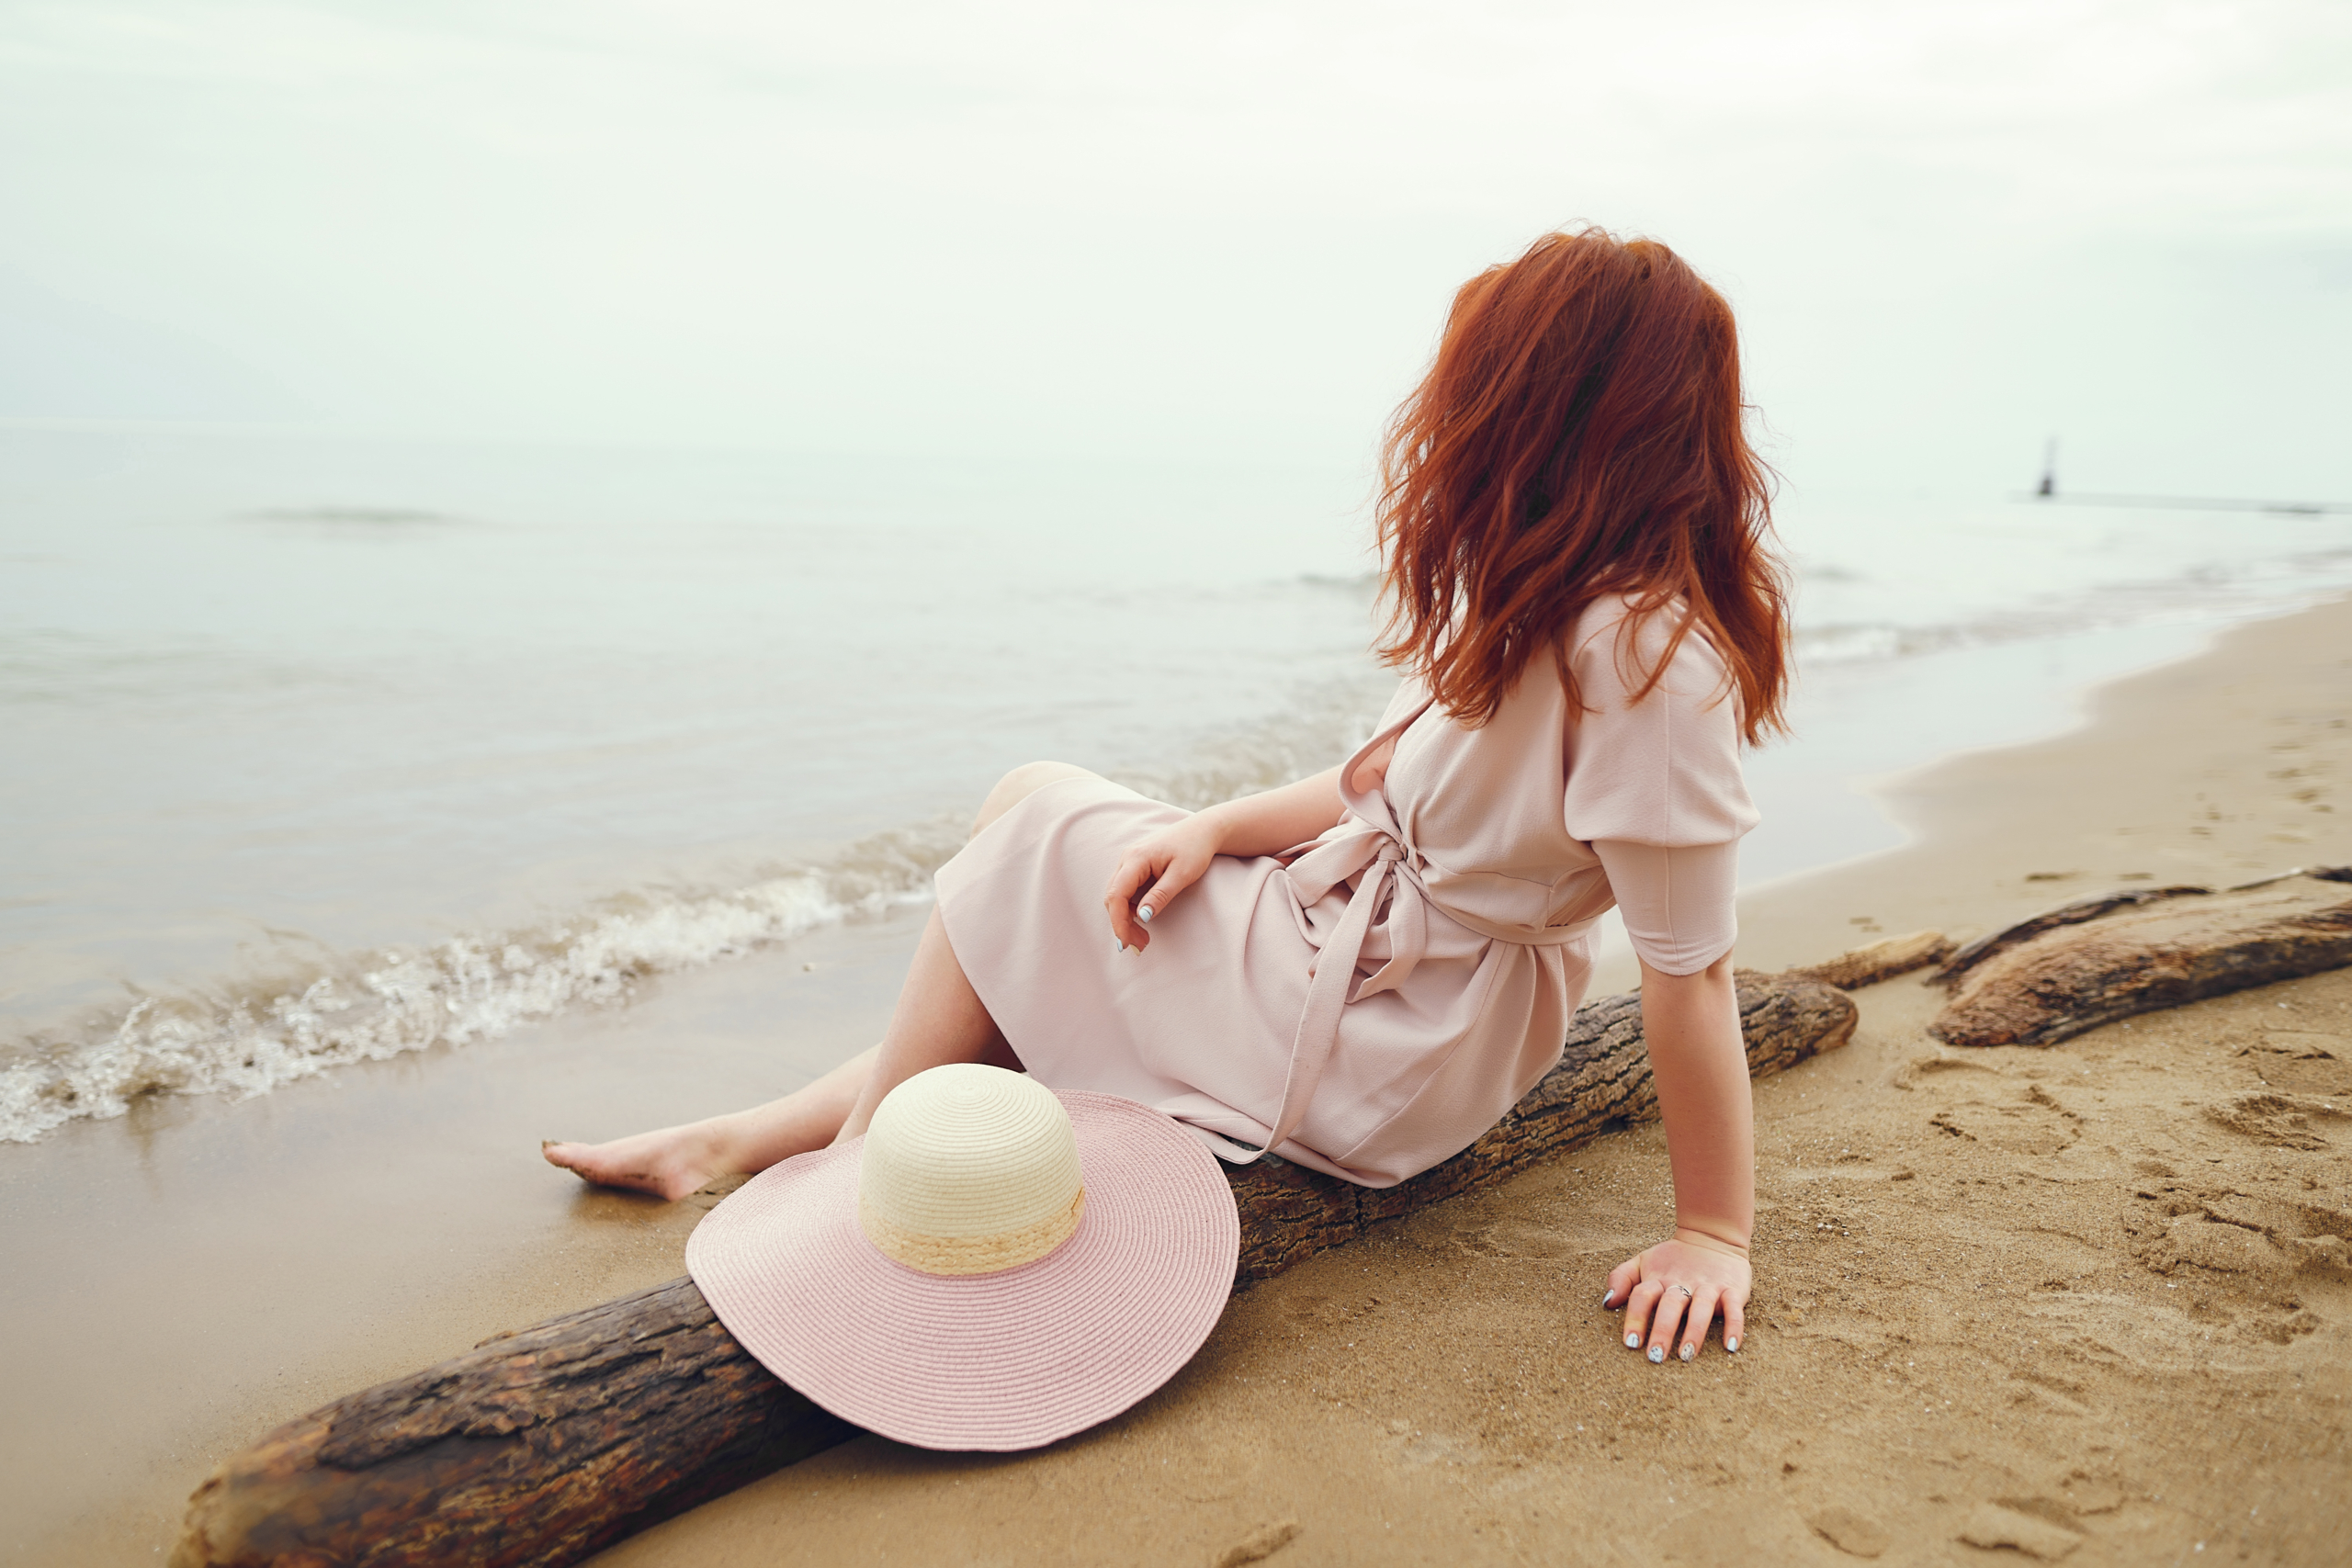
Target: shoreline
x: 286, y: 1011
x: 266, y: 1026
x: 1997, y: 833
x: 197, y: 1272
x: 217, y: 1298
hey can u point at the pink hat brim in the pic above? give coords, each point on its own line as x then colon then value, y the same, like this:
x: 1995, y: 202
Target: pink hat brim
x: 994, y: 1362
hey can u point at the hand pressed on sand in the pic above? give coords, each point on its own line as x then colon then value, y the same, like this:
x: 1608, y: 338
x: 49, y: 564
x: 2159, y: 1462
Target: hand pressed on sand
x: 1698, y: 1059
x: 1676, y: 1289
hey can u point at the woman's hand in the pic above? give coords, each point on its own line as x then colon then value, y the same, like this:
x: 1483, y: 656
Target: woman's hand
x: 1676, y: 1288
x: 1155, y: 871
x: 1671, y: 1291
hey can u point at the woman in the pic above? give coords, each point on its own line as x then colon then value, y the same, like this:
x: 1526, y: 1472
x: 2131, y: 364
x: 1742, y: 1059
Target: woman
x: 1363, y: 971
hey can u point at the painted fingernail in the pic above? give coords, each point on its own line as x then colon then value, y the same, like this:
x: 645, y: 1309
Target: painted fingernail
x: 1732, y: 1344
x: 1607, y: 1299
x: 1632, y: 1342
x: 1658, y: 1353
x: 1688, y: 1350
x: 1143, y: 914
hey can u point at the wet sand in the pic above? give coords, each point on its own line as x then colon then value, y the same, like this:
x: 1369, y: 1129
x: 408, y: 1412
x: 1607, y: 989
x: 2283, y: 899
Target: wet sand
x: 185, y: 1278
x: 2016, y: 1297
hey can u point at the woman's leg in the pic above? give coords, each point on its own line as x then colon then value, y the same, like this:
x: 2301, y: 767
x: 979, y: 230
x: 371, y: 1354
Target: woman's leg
x: 673, y: 1161
x: 939, y: 1020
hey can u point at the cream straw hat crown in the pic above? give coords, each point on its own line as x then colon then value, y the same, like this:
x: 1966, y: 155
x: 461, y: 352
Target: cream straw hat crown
x: 994, y: 1265
x: 968, y: 1169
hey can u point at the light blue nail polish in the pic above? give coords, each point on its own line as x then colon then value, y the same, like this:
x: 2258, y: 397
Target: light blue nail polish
x: 1632, y: 1342
x: 1658, y: 1353
x: 1608, y: 1300
x: 1143, y: 914
x: 1732, y: 1345
x: 1688, y: 1350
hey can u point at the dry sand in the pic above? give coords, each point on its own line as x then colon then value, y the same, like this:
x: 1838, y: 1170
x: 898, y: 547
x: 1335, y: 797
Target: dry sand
x: 2037, y: 1300
x: 2042, y: 1300
x: 1979, y: 1321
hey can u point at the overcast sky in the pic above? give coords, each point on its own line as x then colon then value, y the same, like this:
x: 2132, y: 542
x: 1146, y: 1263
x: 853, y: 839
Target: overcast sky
x: 1949, y: 230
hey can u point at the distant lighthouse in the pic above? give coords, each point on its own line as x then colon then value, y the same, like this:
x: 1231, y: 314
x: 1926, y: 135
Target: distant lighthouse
x: 2048, y: 491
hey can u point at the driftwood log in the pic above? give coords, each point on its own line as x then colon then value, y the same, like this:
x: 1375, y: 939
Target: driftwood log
x: 1881, y: 960
x: 542, y: 1447
x: 2082, y: 910
x: 2098, y: 960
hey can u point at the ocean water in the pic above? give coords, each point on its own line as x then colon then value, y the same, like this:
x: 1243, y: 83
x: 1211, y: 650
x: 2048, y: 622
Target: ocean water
x: 321, y: 750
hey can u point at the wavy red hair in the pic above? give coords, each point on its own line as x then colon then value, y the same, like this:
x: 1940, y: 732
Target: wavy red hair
x: 1580, y: 434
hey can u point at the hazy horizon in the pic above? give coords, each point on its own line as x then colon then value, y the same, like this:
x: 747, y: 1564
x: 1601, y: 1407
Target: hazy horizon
x: 1203, y: 230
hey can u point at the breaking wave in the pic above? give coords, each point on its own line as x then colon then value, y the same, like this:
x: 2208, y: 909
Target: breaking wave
x: 249, y: 1036
x: 2267, y: 588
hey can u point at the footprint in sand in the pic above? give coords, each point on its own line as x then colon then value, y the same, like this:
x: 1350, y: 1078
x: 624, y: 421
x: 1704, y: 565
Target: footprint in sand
x: 2037, y: 1527
x: 1259, y: 1544
x: 2300, y: 1061
x: 2229, y: 1231
x: 2282, y: 1121
x: 2031, y: 1123
x: 1853, y: 1533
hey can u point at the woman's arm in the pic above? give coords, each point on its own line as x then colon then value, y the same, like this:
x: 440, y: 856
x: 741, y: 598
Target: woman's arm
x: 1691, y: 1025
x: 1691, y: 1022
x: 1172, y: 860
x: 1277, y: 819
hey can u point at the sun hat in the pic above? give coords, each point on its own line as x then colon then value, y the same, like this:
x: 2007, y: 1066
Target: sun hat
x: 993, y: 1266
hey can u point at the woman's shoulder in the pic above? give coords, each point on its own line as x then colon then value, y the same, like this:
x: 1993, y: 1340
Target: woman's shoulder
x: 1619, y: 641
x: 1653, y: 761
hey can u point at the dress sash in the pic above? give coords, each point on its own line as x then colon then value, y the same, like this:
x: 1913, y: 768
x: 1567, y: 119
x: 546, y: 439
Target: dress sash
x: 1370, y: 845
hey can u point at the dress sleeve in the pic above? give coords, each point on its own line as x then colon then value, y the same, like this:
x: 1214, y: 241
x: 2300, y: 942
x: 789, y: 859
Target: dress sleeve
x: 1663, y: 771
x: 1677, y: 903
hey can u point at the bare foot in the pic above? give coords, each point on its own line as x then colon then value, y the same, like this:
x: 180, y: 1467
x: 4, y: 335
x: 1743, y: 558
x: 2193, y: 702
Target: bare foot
x: 669, y: 1164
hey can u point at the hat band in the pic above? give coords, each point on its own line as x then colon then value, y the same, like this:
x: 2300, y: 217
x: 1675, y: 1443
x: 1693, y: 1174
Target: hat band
x: 970, y: 1254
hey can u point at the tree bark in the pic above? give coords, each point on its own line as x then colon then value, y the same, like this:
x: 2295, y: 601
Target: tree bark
x: 542, y: 1447
x: 1879, y: 961
x: 2071, y: 971
x: 1992, y: 944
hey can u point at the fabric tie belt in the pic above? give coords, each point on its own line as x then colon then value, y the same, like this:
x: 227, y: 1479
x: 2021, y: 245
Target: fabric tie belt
x: 1386, y: 869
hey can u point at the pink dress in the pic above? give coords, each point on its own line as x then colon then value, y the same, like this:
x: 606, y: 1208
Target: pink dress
x: 1372, y: 1002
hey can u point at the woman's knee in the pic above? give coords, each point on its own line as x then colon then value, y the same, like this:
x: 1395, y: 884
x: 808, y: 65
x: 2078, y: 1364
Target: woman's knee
x: 1020, y: 784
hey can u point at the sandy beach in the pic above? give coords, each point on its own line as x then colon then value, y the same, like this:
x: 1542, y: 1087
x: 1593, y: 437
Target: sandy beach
x: 2019, y: 1300
x: 529, y: 532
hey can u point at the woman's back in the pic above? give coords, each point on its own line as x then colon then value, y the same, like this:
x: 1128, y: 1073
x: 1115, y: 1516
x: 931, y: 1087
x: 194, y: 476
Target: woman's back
x: 1505, y: 815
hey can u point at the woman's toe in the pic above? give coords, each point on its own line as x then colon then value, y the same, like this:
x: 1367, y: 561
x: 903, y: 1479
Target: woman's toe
x: 568, y: 1157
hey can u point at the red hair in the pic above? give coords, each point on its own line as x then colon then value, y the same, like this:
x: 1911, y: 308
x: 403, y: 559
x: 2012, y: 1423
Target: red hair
x: 1580, y: 434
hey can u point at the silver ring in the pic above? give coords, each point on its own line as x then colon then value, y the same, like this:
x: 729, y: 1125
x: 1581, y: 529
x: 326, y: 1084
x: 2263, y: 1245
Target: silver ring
x: 1684, y: 1289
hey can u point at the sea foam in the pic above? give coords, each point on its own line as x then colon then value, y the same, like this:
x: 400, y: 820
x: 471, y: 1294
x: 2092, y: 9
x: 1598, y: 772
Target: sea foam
x: 245, y: 1037
x: 248, y: 1039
